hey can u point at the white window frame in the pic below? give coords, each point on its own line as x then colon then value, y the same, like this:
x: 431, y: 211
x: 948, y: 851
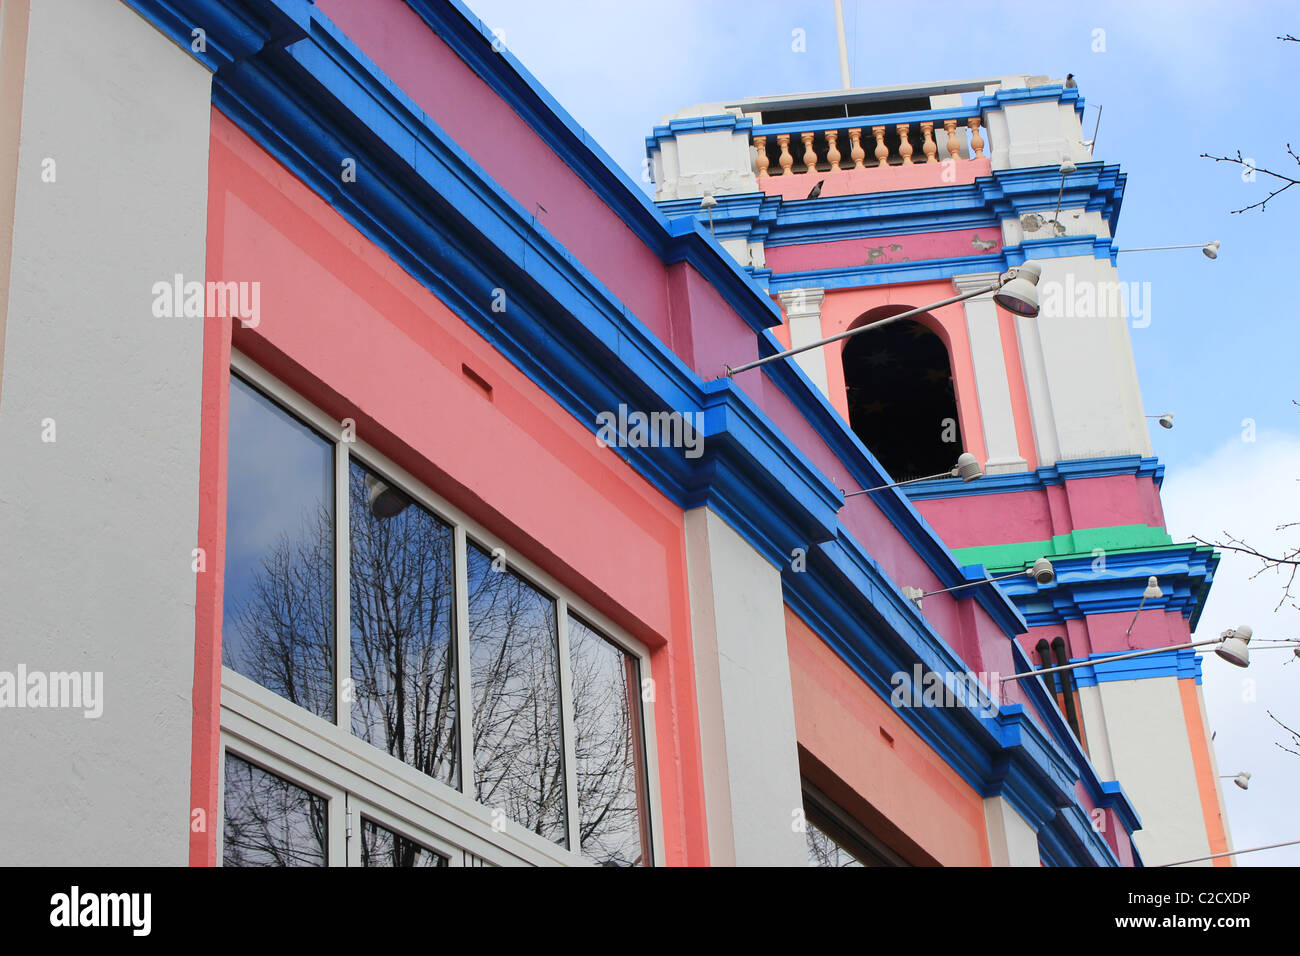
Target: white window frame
x: 261, y: 726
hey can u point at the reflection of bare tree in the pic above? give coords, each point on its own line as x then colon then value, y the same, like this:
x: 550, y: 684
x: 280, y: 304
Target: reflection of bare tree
x: 270, y: 821
x: 824, y: 851
x: 404, y: 691
x: 518, y: 752
x: 282, y: 634
x: 380, y: 846
x: 403, y: 668
x: 608, y: 748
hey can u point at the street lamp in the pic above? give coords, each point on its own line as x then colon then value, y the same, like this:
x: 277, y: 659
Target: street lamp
x: 1232, y: 648
x: 1014, y: 291
x: 1209, y: 249
x: 1166, y: 420
x: 1152, y: 593
x: 1041, y: 571
x: 1240, y: 779
x: 967, y: 469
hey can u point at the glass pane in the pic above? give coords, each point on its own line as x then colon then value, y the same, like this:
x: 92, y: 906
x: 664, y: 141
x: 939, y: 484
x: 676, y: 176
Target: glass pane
x: 380, y: 846
x: 278, y: 620
x: 610, y: 752
x: 270, y: 821
x: 514, y: 666
x: 824, y: 851
x: 403, y: 649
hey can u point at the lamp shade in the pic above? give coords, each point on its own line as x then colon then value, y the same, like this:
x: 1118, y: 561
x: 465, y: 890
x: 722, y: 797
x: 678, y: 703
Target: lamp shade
x: 1018, y: 297
x: 1211, y: 249
x: 1018, y: 294
x: 385, y: 502
x: 968, y: 467
x: 1153, y: 590
x: 1067, y: 168
x: 1043, y: 571
x: 1234, y: 651
x: 1242, y: 780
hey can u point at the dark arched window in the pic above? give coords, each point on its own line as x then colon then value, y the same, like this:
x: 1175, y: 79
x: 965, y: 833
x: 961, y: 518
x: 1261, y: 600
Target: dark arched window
x: 901, y: 398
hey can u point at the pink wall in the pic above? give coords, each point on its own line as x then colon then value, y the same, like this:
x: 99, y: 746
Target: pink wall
x: 879, y: 250
x: 499, y: 140
x: 1014, y: 516
x: 874, y: 179
x: 859, y: 738
x: 353, y: 333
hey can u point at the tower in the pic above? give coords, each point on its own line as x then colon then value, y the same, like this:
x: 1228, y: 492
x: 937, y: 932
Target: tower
x: 927, y: 192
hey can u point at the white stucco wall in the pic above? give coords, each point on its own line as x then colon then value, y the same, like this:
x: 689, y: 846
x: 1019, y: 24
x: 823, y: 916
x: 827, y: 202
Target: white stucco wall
x: 1012, y: 841
x: 1153, y: 761
x: 742, y: 670
x: 98, y: 525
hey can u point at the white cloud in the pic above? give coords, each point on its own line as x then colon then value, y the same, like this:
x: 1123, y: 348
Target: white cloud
x: 1248, y: 489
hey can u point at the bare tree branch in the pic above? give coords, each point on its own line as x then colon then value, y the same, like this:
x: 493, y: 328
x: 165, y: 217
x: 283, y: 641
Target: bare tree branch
x: 1238, y: 160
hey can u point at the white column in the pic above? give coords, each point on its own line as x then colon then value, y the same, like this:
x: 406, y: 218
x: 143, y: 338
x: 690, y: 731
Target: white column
x: 803, y: 314
x: 1156, y: 767
x: 98, y: 525
x: 742, y: 672
x: 1012, y: 841
x: 992, y: 385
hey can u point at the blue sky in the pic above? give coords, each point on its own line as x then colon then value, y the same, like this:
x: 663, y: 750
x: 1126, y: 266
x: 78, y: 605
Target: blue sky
x: 1175, y: 80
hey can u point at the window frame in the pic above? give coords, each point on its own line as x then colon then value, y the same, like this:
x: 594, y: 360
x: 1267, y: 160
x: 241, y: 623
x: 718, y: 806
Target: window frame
x: 259, y: 725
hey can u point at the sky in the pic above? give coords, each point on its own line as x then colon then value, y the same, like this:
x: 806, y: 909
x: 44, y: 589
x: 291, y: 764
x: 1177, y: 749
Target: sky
x: 1173, y: 81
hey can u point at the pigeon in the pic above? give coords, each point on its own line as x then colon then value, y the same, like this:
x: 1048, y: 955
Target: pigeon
x: 1069, y: 82
x: 816, y: 190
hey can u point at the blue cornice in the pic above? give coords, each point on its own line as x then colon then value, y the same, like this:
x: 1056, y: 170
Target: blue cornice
x: 1180, y: 664
x: 697, y: 124
x: 1185, y: 572
x: 308, y: 96
x: 1040, y: 478
x: 928, y: 270
x: 985, y: 203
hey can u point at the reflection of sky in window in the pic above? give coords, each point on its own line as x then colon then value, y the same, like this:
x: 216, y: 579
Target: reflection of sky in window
x: 608, y: 748
x: 279, y: 475
x: 514, y: 670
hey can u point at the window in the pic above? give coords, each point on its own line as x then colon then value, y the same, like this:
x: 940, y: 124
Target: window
x: 380, y: 846
x: 609, y: 748
x: 402, y: 647
x: 270, y: 821
x: 901, y: 397
x: 515, y: 667
x: 836, y: 839
x: 438, y: 661
x: 278, y: 618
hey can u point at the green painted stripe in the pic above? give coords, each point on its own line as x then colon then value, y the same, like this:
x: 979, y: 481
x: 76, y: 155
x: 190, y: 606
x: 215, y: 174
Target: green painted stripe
x: 1081, y: 542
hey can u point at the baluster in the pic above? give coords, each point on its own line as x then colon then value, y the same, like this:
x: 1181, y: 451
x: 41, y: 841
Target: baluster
x: 954, y: 144
x: 760, y: 144
x: 785, y: 159
x: 976, y: 144
x: 809, y: 154
x: 904, y: 144
x: 832, y: 151
x: 857, y: 153
x: 882, y: 151
x: 929, y: 147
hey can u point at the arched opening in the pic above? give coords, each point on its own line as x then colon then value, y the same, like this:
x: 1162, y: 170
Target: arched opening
x: 901, y: 398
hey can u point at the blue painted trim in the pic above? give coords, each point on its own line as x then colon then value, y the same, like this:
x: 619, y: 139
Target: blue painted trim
x: 697, y: 124
x: 1186, y: 572
x: 986, y: 203
x: 1185, y: 663
x: 1040, y: 478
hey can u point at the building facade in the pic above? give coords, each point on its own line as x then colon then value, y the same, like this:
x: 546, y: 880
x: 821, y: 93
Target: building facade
x: 370, y: 451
